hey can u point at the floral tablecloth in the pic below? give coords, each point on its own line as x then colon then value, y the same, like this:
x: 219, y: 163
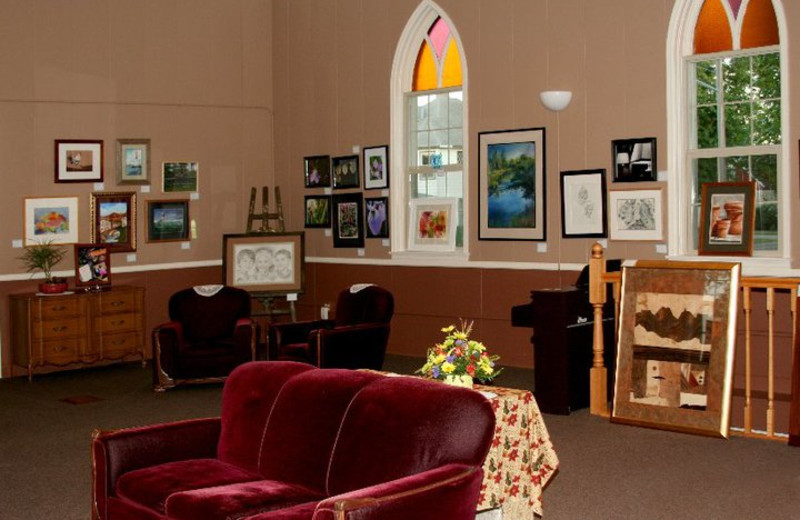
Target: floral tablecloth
x: 521, y: 459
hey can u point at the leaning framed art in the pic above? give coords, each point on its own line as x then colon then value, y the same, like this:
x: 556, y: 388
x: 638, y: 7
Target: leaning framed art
x: 675, y: 349
x: 583, y: 204
x: 727, y: 218
x: 113, y: 221
x: 511, y: 179
x: 270, y: 263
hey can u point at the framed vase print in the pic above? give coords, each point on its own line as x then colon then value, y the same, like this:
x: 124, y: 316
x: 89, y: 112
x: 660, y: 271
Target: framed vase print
x: 79, y: 160
x: 727, y: 218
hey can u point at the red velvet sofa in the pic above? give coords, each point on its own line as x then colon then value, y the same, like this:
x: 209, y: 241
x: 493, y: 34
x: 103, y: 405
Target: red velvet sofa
x: 297, y: 442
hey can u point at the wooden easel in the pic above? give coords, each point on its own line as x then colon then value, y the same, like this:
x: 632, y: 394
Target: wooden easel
x: 265, y: 216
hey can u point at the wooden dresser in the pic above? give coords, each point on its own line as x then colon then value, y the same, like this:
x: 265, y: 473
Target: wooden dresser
x: 77, y: 328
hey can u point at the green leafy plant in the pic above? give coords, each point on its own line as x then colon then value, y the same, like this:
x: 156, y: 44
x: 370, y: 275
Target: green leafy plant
x: 43, y: 256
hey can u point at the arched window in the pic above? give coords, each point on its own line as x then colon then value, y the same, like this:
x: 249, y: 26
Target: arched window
x: 428, y: 123
x: 726, y: 114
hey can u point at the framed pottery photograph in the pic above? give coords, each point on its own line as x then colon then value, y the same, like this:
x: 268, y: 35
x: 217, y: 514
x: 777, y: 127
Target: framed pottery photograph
x: 79, y: 160
x: 345, y: 172
x: 347, y: 213
x: 92, y: 266
x: 675, y: 349
x: 133, y: 161
x: 432, y: 224
x: 583, y: 204
x: 317, y: 170
x: 113, y: 220
x: 265, y: 264
x: 727, y: 218
x: 634, y: 160
x: 636, y: 214
x: 377, y: 210
x: 318, y: 211
x: 179, y: 176
x: 167, y: 220
x: 51, y: 219
x: 511, y: 185
x: 376, y: 167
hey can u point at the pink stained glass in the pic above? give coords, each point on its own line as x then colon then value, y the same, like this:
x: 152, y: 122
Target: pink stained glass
x: 735, y: 4
x: 438, y: 34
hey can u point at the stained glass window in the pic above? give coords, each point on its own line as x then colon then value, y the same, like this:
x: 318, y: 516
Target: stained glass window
x: 438, y: 61
x: 716, y: 29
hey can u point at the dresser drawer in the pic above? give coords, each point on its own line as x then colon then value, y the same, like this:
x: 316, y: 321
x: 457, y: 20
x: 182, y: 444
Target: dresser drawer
x: 57, y: 329
x: 116, y: 322
x: 115, y: 302
x: 120, y: 344
x: 59, y: 352
x: 54, y: 308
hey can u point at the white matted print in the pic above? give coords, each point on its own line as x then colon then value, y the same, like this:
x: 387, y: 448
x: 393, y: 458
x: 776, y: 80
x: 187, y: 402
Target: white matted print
x: 51, y: 219
x: 79, y: 160
x: 636, y: 215
x: 583, y: 198
x: 432, y: 225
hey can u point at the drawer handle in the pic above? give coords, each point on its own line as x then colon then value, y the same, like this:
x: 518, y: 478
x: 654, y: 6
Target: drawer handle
x: 59, y: 308
x: 60, y: 348
x: 118, y: 322
x: 117, y: 303
x: 119, y: 342
x: 60, y: 329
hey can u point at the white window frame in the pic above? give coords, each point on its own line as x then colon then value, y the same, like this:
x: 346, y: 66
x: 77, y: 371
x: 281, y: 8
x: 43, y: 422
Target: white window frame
x: 680, y: 48
x: 401, y: 82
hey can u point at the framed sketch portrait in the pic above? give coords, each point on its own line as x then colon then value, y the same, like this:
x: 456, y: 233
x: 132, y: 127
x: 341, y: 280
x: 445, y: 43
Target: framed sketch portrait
x: 583, y: 204
x: 636, y: 214
x: 270, y: 263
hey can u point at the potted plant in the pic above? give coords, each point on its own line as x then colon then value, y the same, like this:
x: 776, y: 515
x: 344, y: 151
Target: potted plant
x: 43, y: 256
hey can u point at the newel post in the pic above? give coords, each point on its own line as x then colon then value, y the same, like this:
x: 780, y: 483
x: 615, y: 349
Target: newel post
x: 598, y: 402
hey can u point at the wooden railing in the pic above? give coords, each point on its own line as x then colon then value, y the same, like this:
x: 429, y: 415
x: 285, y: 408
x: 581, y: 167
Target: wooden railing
x: 764, y: 354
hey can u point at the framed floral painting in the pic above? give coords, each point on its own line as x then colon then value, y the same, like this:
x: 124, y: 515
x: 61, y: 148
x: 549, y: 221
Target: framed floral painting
x: 376, y: 167
x: 377, y: 209
x: 51, y: 219
x: 348, y: 220
x: 433, y: 224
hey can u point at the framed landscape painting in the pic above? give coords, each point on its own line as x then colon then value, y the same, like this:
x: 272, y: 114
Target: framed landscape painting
x: 348, y: 220
x: 675, y: 349
x: 179, y: 176
x: 51, y: 219
x: 264, y: 264
x: 511, y: 165
x: 114, y: 220
x: 167, y: 220
x: 133, y: 161
x: 432, y: 225
x: 636, y: 215
x: 79, y: 160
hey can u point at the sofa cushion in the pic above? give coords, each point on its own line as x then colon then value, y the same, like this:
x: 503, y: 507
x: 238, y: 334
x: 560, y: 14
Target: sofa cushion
x: 304, y: 423
x: 151, y: 486
x: 301, y: 512
x: 448, y: 423
x: 237, y: 500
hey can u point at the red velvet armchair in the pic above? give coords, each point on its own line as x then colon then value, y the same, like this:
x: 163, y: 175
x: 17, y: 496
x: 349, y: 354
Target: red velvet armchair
x: 356, y: 338
x: 210, y: 333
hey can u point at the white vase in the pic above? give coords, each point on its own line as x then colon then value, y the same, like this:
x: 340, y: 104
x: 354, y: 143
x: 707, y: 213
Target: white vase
x: 463, y: 380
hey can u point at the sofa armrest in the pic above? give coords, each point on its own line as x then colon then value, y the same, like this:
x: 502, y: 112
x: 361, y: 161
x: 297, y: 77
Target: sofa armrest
x: 450, y: 491
x: 119, y: 451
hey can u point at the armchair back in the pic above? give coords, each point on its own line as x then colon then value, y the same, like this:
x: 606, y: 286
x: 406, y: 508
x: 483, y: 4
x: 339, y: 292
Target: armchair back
x: 209, y: 317
x: 372, y: 304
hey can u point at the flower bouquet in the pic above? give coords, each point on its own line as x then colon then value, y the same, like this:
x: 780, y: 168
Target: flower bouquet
x: 458, y: 360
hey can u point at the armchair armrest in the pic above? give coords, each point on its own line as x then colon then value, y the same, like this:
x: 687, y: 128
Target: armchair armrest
x: 450, y: 491
x: 354, y: 346
x: 119, y: 451
x: 245, y: 335
x: 297, y: 332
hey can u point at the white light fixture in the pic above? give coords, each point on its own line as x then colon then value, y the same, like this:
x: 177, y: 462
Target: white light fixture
x: 556, y: 100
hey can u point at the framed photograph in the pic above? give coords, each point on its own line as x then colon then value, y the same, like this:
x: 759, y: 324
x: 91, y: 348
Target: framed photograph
x: 167, y: 220
x: 636, y: 215
x: 51, y: 219
x: 377, y: 210
x: 376, y: 167
x: 675, y: 349
x: 113, y: 221
x: 634, y: 160
x: 583, y: 204
x: 511, y: 191
x: 133, y: 161
x: 317, y: 171
x: 179, y: 176
x: 345, y: 172
x: 92, y: 266
x: 347, y: 212
x: 271, y: 263
x: 318, y: 211
x: 79, y: 160
x: 432, y: 224
x: 727, y: 218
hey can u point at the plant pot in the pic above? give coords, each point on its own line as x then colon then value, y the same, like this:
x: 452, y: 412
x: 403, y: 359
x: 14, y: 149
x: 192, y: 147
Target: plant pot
x: 52, y: 287
x: 463, y: 380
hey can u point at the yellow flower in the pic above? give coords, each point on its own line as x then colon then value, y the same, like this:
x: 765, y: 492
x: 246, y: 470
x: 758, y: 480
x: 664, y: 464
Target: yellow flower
x: 448, y: 368
x: 459, y: 335
x: 448, y: 329
x: 438, y: 359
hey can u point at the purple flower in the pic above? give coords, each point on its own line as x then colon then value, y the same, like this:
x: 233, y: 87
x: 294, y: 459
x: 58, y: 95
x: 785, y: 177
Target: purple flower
x: 436, y: 372
x: 450, y: 358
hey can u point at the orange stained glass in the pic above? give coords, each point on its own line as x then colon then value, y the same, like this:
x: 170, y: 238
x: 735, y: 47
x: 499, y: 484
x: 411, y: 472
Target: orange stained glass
x: 451, y: 74
x: 425, y: 71
x: 760, y: 26
x: 713, y: 31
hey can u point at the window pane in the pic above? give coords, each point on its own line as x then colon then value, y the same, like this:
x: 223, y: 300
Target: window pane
x: 765, y: 172
x: 707, y: 135
x: 737, y: 124
x: 706, y: 82
x: 737, y: 169
x: 456, y: 147
x: 766, y: 76
x: 767, y: 122
x: 438, y: 111
x: 735, y: 78
x: 456, y: 110
x: 421, y: 119
x: 706, y: 172
x: 766, y: 228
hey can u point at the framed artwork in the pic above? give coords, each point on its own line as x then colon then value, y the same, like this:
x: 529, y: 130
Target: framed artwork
x: 377, y: 210
x: 51, y: 219
x: 92, y: 266
x: 432, y: 224
x: 675, y: 349
x: 79, y: 160
x: 511, y: 191
x: 347, y: 213
x: 727, y: 218
x: 113, y: 221
x: 133, y: 161
x: 317, y: 171
x: 636, y: 215
x: 376, y: 167
x: 318, y: 211
x: 167, y: 220
x: 583, y: 204
x: 271, y: 263
x: 179, y: 176
x: 634, y: 160
x: 345, y: 172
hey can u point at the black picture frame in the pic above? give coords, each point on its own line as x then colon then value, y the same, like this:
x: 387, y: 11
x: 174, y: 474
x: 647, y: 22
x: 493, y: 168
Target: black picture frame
x: 583, y: 204
x: 348, y: 220
x: 317, y: 171
x: 168, y: 220
x: 635, y: 160
x: 376, y: 210
x: 345, y: 172
x: 317, y: 211
x: 376, y: 167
